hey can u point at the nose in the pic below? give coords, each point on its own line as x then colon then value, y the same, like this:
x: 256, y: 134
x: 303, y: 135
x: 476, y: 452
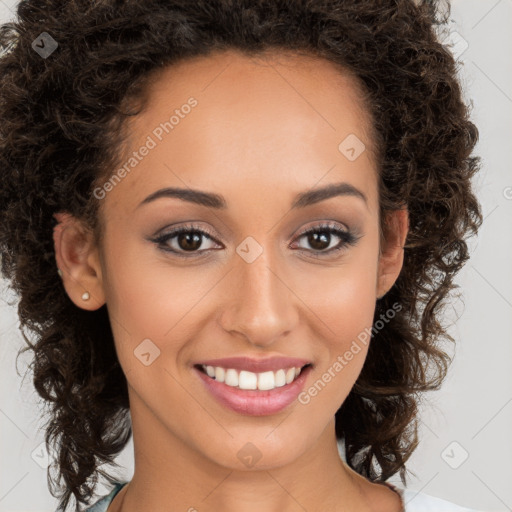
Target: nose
x: 261, y: 304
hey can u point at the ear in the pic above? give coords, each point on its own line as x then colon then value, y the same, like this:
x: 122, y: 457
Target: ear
x: 78, y: 259
x: 391, y: 255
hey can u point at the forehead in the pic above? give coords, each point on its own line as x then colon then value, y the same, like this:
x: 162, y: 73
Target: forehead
x: 311, y: 90
x: 277, y: 118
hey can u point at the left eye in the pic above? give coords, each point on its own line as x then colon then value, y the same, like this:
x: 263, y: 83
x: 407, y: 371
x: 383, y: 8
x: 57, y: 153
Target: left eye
x: 320, y: 238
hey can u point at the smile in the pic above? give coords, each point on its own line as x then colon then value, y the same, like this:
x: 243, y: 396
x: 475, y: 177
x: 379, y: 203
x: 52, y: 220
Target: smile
x: 253, y: 393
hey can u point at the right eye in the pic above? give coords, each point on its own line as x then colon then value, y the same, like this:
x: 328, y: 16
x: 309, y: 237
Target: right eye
x: 185, y: 239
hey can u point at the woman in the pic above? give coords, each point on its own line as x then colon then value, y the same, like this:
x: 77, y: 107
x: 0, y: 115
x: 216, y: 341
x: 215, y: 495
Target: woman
x: 256, y: 210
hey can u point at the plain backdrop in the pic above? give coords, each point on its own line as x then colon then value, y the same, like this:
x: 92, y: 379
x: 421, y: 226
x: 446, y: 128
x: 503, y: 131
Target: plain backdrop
x: 465, y: 454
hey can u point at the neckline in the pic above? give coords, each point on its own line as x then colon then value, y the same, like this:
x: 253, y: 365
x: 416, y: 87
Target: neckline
x: 117, y: 488
x: 115, y: 491
x: 120, y: 485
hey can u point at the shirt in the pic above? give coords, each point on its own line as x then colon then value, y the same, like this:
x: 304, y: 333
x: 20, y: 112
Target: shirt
x: 413, y: 501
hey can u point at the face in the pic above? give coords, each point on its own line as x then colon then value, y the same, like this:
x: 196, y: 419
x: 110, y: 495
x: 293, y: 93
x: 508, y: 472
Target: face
x: 266, y: 266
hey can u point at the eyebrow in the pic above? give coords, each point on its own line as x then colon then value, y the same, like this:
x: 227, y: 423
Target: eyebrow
x: 217, y: 201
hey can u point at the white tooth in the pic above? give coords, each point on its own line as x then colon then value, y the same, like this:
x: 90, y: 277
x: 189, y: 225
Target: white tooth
x: 297, y: 371
x: 231, y: 378
x: 247, y: 380
x: 290, y: 375
x: 219, y: 374
x: 210, y: 371
x: 280, y: 379
x: 266, y: 381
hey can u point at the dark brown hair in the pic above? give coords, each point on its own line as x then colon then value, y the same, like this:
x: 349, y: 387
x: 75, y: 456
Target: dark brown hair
x: 61, y: 134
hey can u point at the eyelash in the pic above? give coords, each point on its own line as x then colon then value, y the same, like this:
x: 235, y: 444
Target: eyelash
x: 347, y: 239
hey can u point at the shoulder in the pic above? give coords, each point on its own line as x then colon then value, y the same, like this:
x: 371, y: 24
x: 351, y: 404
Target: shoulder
x: 415, y: 501
x: 102, y: 504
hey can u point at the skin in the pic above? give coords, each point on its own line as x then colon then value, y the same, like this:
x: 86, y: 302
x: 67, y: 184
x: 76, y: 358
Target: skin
x: 263, y: 131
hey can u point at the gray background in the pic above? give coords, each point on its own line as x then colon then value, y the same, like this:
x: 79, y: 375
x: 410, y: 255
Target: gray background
x: 471, y: 416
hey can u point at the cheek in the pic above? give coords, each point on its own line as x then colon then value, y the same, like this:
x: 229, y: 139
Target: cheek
x: 139, y: 306
x: 344, y: 301
x: 151, y: 299
x: 343, y: 297
x: 344, y: 315
x: 341, y: 305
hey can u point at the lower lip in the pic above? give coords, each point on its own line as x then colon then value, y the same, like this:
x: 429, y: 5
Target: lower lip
x: 253, y: 402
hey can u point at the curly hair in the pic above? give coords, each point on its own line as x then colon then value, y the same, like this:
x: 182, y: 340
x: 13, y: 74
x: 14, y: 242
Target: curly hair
x: 61, y: 135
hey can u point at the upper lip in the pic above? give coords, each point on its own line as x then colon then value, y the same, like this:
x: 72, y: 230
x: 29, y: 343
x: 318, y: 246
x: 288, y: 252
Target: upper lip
x: 256, y: 365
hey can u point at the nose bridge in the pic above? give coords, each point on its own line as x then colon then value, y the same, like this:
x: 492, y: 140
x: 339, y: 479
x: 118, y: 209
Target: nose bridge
x: 262, y: 307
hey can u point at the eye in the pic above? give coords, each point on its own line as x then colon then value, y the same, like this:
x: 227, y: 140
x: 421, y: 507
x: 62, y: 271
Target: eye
x: 185, y: 239
x: 320, y: 239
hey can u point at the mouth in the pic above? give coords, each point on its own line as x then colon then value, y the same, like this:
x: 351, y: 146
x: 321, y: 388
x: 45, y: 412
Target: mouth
x: 246, y: 380
x: 253, y: 393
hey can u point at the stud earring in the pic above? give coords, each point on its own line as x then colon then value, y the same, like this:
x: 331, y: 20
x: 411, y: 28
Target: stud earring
x: 85, y: 296
x: 59, y: 271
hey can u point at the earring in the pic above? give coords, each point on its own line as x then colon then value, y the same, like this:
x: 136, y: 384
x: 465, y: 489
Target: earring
x: 85, y: 296
x: 59, y: 271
